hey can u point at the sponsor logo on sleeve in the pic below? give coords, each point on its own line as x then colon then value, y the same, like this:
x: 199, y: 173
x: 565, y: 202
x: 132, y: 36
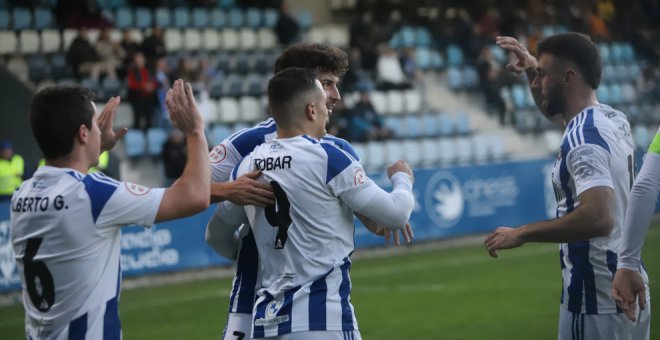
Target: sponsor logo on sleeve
x: 136, y: 189
x: 218, y: 154
x: 359, y: 177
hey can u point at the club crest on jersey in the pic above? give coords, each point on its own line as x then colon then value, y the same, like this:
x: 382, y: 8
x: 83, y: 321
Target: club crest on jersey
x: 218, y: 154
x: 359, y: 177
x: 136, y: 189
x: 271, y: 317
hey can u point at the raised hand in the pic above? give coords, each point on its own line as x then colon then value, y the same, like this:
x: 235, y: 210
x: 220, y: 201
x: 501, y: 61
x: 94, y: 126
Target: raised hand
x: 109, y: 137
x: 182, y: 107
x: 400, y: 166
x: 520, y: 59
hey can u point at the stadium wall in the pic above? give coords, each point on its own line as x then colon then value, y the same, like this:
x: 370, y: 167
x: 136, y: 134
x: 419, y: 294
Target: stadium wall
x: 450, y: 202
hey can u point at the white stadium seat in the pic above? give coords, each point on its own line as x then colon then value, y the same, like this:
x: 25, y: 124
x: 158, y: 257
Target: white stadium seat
x: 250, y: 109
x: 248, y: 39
x: 266, y: 39
x: 395, y: 102
x: 8, y: 42
x: 173, y: 40
x: 29, y: 41
x: 210, y: 39
x: 50, y: 41
x: 192, y: 39
x: 228, y: 110
x: 230, y: 39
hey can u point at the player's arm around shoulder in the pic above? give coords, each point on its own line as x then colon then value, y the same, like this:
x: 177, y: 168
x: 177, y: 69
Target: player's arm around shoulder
x: 190, y: 193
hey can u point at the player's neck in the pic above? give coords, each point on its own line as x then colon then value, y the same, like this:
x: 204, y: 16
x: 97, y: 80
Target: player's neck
x: 71, y: 161
x: 577, y: 103
x: 294, y: 131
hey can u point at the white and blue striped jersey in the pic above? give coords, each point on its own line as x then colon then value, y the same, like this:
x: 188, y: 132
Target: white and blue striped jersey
x: 596, y: 151
x: 65, y: 229
x: 224, y: 158
x: 304, y: 241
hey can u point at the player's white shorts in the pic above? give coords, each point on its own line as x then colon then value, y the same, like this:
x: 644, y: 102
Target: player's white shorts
x: 319, y: 335
x: 574, y: 326
x: 239, y: 327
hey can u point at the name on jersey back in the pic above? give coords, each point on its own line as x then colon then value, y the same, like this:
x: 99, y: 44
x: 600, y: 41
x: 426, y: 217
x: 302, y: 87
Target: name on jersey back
x: 273, y: 163
x: 36, y: 203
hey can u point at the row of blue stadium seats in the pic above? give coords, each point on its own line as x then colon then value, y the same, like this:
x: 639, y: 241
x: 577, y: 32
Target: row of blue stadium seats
x: 439, y: 151
x: 393, y: 102
x: 109, y: 4
x: 429, y: 125
x: 462, y: 78
x: 192, y: 39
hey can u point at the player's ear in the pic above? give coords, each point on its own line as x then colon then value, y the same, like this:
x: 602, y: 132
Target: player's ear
x: 569, y: 74
x: 83, y: 133
x: 310, y: 111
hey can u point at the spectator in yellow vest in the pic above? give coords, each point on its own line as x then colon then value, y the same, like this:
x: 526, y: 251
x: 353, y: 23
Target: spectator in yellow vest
x: 11, y: 171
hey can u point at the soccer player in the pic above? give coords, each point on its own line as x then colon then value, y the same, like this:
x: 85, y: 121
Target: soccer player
x: 629, y: 285
x: 329, y: 64
x: 592, y: 177
x: 304, y: 240
x: 65, y: 223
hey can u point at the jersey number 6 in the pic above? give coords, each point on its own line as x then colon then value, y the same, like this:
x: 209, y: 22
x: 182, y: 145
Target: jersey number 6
x: 38, y: 279
x: 279, y: 218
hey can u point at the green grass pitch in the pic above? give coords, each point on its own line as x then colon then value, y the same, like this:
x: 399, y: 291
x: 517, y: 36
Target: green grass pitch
x: 458, y: 293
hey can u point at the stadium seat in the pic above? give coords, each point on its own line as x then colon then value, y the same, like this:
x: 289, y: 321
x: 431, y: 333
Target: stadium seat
x: 270, y: 17
x: 395, y: 103
x: 255, y: 85
x: 5, y: 19
x: 9, y: 42
x: 50, y: 41
x: 28, y: 40
x: 393, y: 151
x: 200, y: 18
x: 429, y: 125
x: 552, y: 141
x: 59, y: 67
x: 22, y: 18
x: 375, y: 156
x: 37, y: 67
x: 379, y: 101
x: 454, y: 78
x: 210, y: 39
x: 163, y: 17
x: 423, y: 58
x: 46, y: 83
x: 445, y: 125
x: 413, y: 101
x: 480, y: 148
x: 518, y: 96
x: 603, y: 94
x: 396, y: 125
x: 173, y: 40
x: 304, y: 18
x: 605, y: 56
x: 43, y: 18
x: 423, y: 37
x: 253, y: 17
x: 91, y: 85
x: 317, y: 35
x: 641, y: 136
x: 124, y: 18
x: 430, y: 151
x: 446, y: 150
x: 239, y: 126
x: 616, y: 52
x: 19, y: 67
x: 219, y: 133
x: 266, y: 39
x: 226, y: 3
x: 67, y: 37
x: 143, y: 18
x: 497, y: 147
x: 223, y: 61
x: 627, y: 53
x: 111, y: 87
x: 338, y: 36
x: 414, y: 128
x: 230, y: 39
x: 235, y: 18
x: 248, y: 39
x: 615, y: 94
x: 228, y: 110
x: 192, y: 39
x: 609, y: 73
x: 454, y: 55
x: 218, y: 19
x: 470, y: 77
x: 628, y: 93
x: 463, y: 126
x: 407, y: 34
x: 181, y: 17
x: 134, y: 143
x: 156, y: 137
x: 250, y: 109
x: 464, y: 150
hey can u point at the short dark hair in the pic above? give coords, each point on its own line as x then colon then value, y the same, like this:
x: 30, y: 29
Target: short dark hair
x: 56, y: 114
x: 286, y: 89
x: 577, y: 48
x: 317, y: 57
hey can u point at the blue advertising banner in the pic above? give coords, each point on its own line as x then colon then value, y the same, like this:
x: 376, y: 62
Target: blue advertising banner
x: 450, y: 202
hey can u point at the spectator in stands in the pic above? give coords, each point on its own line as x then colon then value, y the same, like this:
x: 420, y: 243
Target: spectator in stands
x: 647, y: 85
x: 162, y: 117
x: 207, y: 72
x: 11, y: 170
x: 287, y: 28
x: 364, y: 123
x: 80, y: 13
x: 109, y: 51
x: 408, y: 65
x: 85, y: 60
x: 491, y: 82
x: 185, y: 70
x: 356, y: 76
x: 389, y: 72
x: 153, y: 46
x: 174, y: 156
x: 364, y: 36
x: 141, y: 93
